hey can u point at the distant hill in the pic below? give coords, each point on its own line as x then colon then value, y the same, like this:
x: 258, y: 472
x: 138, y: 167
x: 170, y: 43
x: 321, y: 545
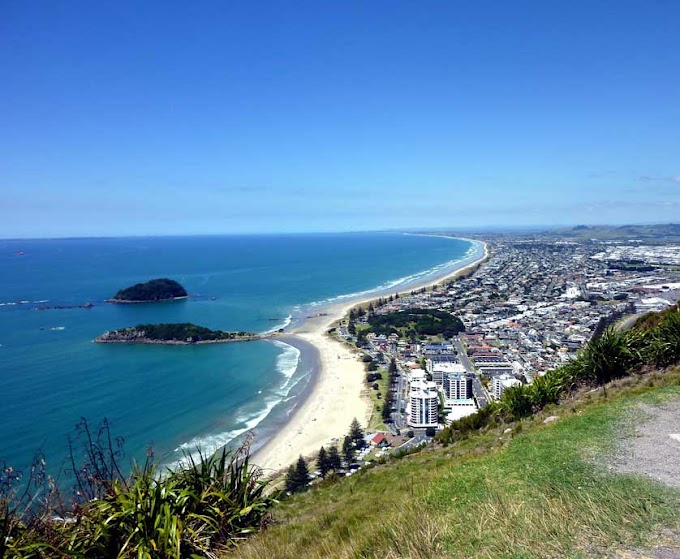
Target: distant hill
x: 153, y: 291
x: 663, y: 232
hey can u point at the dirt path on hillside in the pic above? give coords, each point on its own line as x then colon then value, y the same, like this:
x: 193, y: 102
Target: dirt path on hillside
x: 653, y: 448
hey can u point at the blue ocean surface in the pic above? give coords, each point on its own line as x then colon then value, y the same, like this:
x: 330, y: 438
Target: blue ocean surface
x: 176, y: 398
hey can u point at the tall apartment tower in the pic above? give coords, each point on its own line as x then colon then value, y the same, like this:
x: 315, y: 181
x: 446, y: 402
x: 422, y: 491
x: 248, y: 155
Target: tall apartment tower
x: 457, y: 386
x: 424, y: 404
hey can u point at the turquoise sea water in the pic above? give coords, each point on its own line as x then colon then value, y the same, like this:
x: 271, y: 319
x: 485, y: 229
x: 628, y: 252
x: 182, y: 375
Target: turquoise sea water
x: 177, y: 397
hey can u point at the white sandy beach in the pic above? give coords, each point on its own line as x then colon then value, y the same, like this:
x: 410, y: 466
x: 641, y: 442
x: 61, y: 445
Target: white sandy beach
x: 335, y: 399
x: 338, y: 394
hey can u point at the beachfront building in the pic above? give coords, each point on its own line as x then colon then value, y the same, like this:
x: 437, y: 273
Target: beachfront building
x: 423, y: 404
x: 457, y: 386
x: 501, y: 382
x: 458, y: 396
x: 438, y: 369
x: 432, y: 360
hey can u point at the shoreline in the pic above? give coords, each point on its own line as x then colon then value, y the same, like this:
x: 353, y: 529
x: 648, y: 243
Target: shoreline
x: 337, y: 391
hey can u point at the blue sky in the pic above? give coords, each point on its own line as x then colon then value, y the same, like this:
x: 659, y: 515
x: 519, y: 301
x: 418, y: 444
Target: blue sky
x: 160, y: 117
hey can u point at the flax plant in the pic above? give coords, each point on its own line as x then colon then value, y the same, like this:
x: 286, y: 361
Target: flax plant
x: 204, y: 506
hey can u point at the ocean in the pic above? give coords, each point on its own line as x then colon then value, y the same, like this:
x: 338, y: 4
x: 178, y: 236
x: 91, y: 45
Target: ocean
x: 177, y: 398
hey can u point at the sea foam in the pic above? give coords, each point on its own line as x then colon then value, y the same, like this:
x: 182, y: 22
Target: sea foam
x: 286, y: 365
x: 405, y: 281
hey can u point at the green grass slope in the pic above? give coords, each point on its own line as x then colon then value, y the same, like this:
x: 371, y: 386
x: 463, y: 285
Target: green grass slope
x: 537, y: 491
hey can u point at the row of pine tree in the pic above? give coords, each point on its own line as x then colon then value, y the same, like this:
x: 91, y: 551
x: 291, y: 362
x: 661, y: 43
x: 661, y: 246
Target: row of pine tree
x: 298, y: 476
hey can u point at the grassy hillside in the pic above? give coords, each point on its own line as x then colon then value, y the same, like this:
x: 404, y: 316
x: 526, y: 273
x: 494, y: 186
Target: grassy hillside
x: 538, y: 490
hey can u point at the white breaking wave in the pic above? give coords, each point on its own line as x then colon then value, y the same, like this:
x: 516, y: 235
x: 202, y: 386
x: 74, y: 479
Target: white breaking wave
x: 404, y: 281
x: 23, y: 302
x: 286, y: 365
x: 208, y: 444
x: 286, y: 322
x: 287, y: 362
x: 289, y: 388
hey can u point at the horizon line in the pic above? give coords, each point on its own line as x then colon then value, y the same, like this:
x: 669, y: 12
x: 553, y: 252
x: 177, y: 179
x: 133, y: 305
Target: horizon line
x: 440, y: 229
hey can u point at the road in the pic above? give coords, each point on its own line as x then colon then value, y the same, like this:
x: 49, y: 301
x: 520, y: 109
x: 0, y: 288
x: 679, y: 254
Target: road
x: 399, y: 400
x: 478, y: 391
x: 462, y: 355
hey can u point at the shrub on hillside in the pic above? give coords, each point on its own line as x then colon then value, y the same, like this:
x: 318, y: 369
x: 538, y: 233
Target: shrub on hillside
x: 194, y: 511
x: 664, y: 343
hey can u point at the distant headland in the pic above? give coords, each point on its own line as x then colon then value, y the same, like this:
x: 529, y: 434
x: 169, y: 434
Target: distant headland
x: 154, y: 291
x: 175, y: 334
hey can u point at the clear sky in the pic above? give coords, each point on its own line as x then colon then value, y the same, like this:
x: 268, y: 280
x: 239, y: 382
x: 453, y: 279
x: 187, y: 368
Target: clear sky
x: 160, y: 117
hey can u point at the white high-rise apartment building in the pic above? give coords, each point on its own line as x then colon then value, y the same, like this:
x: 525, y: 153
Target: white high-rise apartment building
x: 457, y: 386
x: 424, y: 404
x: 439, y: 370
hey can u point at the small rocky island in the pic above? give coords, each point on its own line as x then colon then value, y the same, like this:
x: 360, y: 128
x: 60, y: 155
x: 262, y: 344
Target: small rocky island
x: 174, y: 334
x: 154, y: 291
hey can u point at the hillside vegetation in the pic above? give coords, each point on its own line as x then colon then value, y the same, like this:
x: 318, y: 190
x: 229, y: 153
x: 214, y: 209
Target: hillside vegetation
x: 194, y: 511
x: 183, y: 331
x: 162, y: 289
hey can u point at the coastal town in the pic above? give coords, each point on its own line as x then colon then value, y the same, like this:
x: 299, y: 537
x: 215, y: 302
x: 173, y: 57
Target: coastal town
x: 526, y: 309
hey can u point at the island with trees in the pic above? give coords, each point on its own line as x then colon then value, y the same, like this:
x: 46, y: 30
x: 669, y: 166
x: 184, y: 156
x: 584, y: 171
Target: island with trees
x: 175, y: 334
x: 154, y: 291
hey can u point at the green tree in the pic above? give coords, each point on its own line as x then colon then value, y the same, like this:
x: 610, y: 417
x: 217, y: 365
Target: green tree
x: 386, y: 412
x: 302, y: 471
x: 516, y: 402
x: 334, y: 460
x: 356, y: 434
x: 322, y: 462
x: 291, y: 479
x: 348, y: 449
x: 297, y: 476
